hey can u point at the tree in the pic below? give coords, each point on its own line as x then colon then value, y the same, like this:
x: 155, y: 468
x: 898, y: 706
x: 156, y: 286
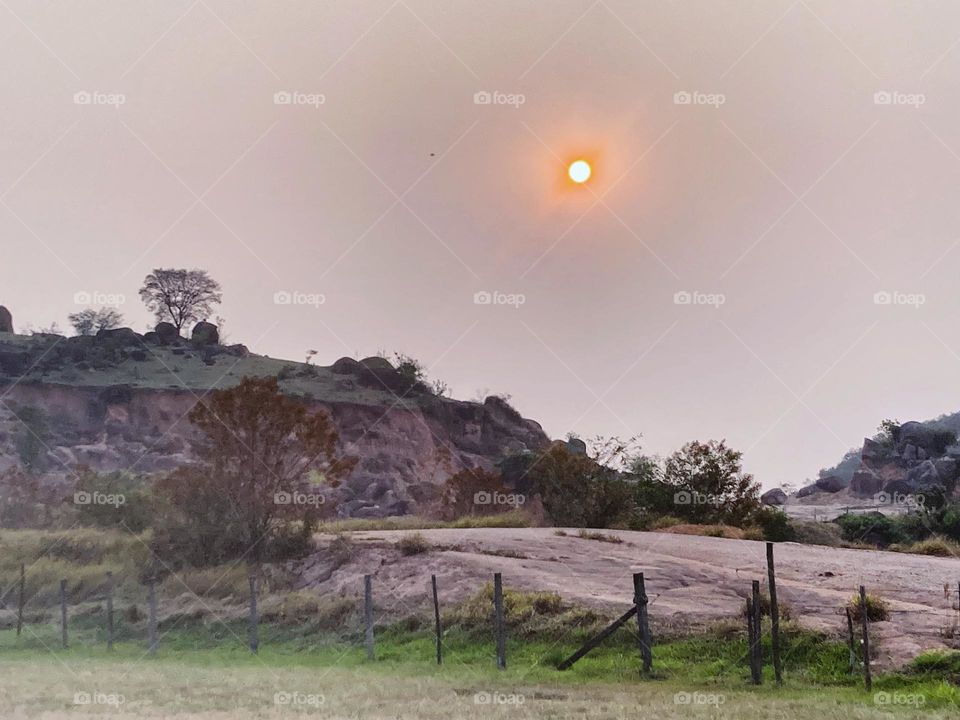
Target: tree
x: 179, y: 296
x: 90, y: 321
x: 264, y: 461
x: 709, y: 483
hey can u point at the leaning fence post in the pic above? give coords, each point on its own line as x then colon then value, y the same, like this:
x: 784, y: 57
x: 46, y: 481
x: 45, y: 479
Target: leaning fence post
x: 436, y: 617
x: 498, y: 622
x: 63, y: 613
x: 368, y: 613
x: 643, y: 625
x: 109, y: 610
x: 254, y: 634
x: 851, y: 641
x: 152, y: 620
x: 20, y: 599
x: 867, y: 679
x: 774, y: 617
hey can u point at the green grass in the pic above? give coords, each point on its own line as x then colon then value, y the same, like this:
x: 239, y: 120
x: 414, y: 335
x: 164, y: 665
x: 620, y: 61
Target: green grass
x: 511, y: 519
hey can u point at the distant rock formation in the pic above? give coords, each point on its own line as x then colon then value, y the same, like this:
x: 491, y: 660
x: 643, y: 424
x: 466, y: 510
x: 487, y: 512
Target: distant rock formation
x: 774, y: 497
x: 6, y: 320
x: 204, y: 334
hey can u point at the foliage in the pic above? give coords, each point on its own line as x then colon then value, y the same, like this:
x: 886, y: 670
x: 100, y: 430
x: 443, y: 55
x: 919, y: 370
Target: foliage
x: 31, y: 440
x: 22, y: 502
x: 873, y: 528
x: 264, y: 460
x: 877, y: 608
x: 413, y: 544
x: 90, y: 321
x: 114, y: 499
x: 473, y: 491
x: 577, y: 491
x: 775, y: 525
x: 180, y: 296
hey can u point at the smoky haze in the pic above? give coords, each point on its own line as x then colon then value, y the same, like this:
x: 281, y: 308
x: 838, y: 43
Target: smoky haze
x: 766, y: 251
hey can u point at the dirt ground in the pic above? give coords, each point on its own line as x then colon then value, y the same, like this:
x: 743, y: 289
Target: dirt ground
x: 690, y: 580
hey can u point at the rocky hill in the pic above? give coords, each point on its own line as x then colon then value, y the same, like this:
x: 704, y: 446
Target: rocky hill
x: 906, y: 460
x: 119, y: 401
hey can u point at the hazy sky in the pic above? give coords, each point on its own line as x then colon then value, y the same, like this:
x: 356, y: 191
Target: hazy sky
x: 782, y: 197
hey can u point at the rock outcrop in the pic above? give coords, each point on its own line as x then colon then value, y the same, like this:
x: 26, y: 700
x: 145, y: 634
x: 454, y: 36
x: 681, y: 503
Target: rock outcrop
x: 205, y: 334
x: 774, y: 497
x: 916, y: 456
x: 120, y: 400
x: 6, y: 320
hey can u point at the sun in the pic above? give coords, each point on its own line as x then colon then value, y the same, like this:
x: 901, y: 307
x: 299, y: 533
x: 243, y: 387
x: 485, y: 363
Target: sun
x: 579, y: 171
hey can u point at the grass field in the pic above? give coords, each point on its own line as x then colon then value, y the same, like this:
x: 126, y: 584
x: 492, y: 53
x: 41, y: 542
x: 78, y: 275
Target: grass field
x: 207, y: 672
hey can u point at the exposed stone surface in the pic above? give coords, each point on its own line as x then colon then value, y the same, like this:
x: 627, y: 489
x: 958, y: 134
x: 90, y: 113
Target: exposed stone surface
x: 205, y: 333
x: 831, y: 483
x: 774, y: 497
x: 166, y: 332
x: 6, y: 320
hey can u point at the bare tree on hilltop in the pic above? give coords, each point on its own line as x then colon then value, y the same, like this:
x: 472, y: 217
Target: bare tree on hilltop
x: 90, y: 321
x: 180, y: 296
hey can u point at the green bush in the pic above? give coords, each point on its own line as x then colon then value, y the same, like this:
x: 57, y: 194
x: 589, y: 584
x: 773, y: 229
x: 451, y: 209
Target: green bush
x: 872, y: 528
x: 877, y: 608
x: 775, y: 524
x: 115, y: 499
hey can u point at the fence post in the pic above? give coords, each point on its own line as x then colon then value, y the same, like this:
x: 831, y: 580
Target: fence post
x: 109, y: 610
x: 368, y: 613
x: 498, y: 621
x: 851, y: 641
x: 436, y: 617
x: 750, y: 639
x: 254, y: 632
x: 774, y: 617
x: 63, y: 613
x: 20, y: 599
x: 757, y: 648
x: 152, y: 620
x: 867, y: 679
x: 643, y: 624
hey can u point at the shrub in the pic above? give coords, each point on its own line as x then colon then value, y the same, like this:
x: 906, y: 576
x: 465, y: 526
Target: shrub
x: 775, y: 525
x: 665, y: 521
x: 877, y: 608
x: 114, y: 499
x: 784, y: 610
x: 472, y: 491
x: 936, y: 546
x: 601, y: 537
x: 413, y: 544
x: 873, y: 528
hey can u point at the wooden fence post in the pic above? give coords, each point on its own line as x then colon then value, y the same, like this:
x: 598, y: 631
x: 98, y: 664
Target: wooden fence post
x: 63, y: 613
x: 774, y: 617
x: 20, y: 600
x: 498, y: 621
x: 750, y: 639
x: 643, y: 623
x: 368, y: 613
x: 153, y: 640
x: 254, y: 633
x: 867, y: 679
x: 757, y: 648
x: 436, y: 617
x: 851, y: 641
x: 109, y: 610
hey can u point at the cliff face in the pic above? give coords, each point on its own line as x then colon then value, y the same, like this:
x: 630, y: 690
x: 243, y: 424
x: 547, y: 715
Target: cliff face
x: 120, y: 402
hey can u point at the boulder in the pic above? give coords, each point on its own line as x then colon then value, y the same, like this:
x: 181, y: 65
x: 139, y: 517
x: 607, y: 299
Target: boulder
x: 121, y: 337
x: 909, y: 453
x: 872, y: 450
x: 6, y: 320
x: 204, y: 334
x: 808, y: 491
x: 923, y: 475
x: 946, y: 468
x: 865, y: 482
x: 166, y: 332
x: 346, y: 366
x: 576, y: 446
x: 831, y: 483
x: 774, y: 497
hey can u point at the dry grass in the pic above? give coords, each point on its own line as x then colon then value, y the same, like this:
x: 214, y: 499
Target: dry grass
x: 936, y: 546
x: 720, y: 531
x: 878, y: 609
x: 512, y: 519
x: 599, y: 536
x: 413, y: 544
